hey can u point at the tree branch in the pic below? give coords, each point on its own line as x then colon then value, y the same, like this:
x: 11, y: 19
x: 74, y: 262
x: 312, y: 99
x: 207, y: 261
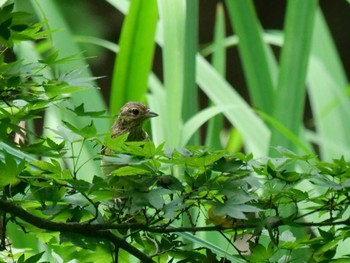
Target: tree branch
x: 80, y: 228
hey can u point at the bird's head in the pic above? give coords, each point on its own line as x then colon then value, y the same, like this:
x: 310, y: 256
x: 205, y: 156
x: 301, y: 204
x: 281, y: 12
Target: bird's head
x: 135, y: 113
x: 131, y: 118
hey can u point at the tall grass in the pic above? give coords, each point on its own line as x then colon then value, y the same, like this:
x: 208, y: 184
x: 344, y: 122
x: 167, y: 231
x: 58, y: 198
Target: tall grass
x: 308, y: 59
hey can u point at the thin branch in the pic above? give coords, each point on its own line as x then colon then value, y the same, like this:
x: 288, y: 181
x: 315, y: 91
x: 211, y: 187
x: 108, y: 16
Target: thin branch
x: 79, y: 228
x: 87, y: 226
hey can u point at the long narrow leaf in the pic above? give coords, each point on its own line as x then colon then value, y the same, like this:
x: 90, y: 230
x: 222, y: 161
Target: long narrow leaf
x: 172, y: 15
x: 215, y: 125
x: 134, y: 60
x: 253, y: 52
x: 290, y: 97
x: 327, y: 91
x: 190, y: 99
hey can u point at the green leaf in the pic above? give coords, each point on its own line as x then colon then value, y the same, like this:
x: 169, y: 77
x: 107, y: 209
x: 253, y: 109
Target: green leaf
x: 130, y: 170
x: 172, y: 39
x: 327, y: 235
x: 149, y: 150
x: 86, y: 132
x: 215, y: 125
x: 35, y: 258
x: 254, y: 53
x: 10, y: 169
x: 122, y: 160
x: 18, y: 155
x: 225, y: 165
x: 21, y: 259
x: 72, y: 127
x: 184, y: 157
x: 51, y: 58
x: 46, y: 192
x: 328, y: 91
x: 116, y: 143
x: 292, y: 76
x: 48, y: 167
x: 235, y: 207
x: 80, y: 185
x: 291, y: 177
x: 190, y: 97
x: 155, y: 197
x: 80, y: 111
x: 260, y: 253
x: 14, y: 27
x: 89, y: 131
x: 134, y: 60
x: 299, y: 195
x: 55, y: 146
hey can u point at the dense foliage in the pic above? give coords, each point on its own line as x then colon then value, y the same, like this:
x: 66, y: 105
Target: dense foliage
x: 161, y: 200
x: 143, y: 206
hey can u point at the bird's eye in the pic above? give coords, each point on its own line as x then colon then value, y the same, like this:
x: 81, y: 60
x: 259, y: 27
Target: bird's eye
x: 135, y: 111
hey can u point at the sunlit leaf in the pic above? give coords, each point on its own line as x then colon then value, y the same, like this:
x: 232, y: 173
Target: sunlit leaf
x: 80, y: 111
x: 10, y: 169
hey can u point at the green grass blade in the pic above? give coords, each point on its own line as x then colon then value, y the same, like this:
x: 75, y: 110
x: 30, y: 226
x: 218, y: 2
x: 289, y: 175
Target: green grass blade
x: 20, y: 155
x: 219, y: 52
x: 215, y: 125
x: 122, y: 5
x: 98, y: 42
x: 135, y: 58
x: 190, y: 95
x: 290, y: 96
x: 172, y: 16
x: 269, y: 37
x: 328, y: 94
x: 253, y: 52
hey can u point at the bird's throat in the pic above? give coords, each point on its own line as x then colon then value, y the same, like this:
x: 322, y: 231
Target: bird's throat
x: 137, y: 134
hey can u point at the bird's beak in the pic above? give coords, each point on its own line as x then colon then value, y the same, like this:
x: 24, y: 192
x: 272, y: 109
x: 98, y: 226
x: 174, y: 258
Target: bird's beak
x: 151, y: 114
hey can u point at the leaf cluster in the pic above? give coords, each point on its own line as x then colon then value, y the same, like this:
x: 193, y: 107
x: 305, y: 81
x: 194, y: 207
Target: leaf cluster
x: 14, y: 27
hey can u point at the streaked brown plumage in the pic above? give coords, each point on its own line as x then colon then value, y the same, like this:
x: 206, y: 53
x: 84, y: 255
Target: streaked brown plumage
x: 130, y: 120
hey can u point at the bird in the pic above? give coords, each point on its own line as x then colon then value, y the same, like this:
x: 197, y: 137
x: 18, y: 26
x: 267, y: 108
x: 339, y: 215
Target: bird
x: 130, y: 120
